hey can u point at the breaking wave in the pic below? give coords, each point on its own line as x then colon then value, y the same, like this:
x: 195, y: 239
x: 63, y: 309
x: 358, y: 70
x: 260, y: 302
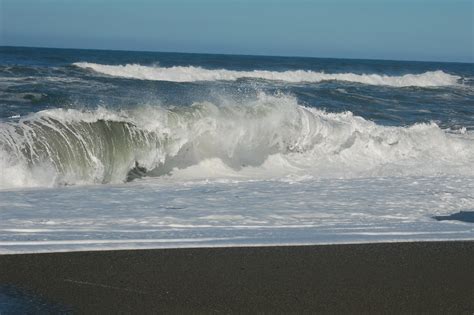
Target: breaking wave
x: 269, y: 137
x: 192, y: 74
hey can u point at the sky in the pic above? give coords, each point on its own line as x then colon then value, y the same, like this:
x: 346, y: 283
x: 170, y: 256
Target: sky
x: 435, y: 30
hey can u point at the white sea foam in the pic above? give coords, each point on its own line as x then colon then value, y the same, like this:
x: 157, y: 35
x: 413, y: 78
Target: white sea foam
x: 267, y: 138
x: 191, y: 74
x: 157, y: 213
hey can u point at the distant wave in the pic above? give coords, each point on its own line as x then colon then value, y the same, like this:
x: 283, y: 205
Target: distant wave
x: 269, y: 137
x: 192, y: 74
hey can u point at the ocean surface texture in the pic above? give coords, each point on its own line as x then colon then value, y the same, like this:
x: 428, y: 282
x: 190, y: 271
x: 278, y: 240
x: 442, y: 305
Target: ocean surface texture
x: 113, y: 149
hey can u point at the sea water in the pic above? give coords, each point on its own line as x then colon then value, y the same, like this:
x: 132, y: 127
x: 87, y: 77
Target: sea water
x: 115, y: 149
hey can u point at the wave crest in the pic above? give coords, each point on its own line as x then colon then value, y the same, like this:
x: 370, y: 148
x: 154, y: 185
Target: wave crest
x: 192, y: 74
x: 270, y: 137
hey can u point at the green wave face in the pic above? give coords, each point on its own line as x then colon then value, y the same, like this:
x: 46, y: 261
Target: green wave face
x: 269, y: 137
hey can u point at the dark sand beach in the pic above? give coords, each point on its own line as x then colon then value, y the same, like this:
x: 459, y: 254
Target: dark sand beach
x: 390, y: 277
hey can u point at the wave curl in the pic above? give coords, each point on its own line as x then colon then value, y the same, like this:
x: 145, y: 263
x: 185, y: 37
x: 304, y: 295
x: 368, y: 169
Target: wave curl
x: 270, y: 137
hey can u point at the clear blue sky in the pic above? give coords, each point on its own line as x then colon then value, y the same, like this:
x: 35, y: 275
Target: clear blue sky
x: 384, y: 29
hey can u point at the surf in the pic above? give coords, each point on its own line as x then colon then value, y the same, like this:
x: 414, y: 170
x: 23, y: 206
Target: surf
x: 194, y: 74
x: 269, y: 137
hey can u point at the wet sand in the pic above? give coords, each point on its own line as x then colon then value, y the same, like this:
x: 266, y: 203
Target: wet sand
x: 389, y: 277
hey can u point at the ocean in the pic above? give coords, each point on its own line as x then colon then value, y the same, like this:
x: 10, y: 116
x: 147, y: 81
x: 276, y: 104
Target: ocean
x: 118, y: 150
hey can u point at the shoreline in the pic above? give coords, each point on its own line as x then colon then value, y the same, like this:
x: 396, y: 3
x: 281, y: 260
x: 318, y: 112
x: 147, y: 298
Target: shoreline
x: 138, y: 247
x: 371, y: 277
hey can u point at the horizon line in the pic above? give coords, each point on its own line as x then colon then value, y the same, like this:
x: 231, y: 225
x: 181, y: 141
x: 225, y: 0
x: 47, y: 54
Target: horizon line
x: 236, y: 54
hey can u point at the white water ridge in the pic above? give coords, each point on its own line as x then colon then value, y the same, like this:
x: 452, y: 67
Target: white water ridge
x: 192, y: 74
x: 268, y: 138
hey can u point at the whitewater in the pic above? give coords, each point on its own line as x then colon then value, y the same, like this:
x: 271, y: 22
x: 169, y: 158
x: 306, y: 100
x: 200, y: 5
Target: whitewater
x: 191, y: 74
x: 270, y: 137
x: 116, y: 150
